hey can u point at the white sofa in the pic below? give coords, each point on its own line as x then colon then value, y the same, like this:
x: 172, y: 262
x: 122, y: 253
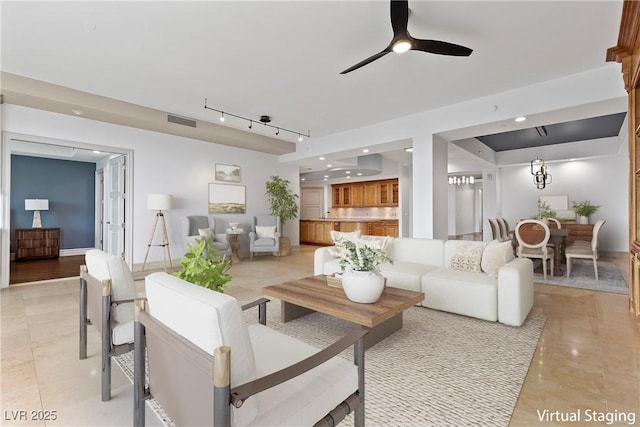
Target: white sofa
x: 502, y: 291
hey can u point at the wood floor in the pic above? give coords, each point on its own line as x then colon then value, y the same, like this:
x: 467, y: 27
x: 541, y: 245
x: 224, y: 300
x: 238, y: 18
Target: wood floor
x: 45, y: 269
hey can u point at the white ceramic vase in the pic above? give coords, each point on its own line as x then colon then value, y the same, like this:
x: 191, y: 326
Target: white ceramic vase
x: 363, y: 286
x: 582, y: 219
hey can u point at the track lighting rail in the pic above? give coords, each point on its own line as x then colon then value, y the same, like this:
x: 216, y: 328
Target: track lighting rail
x: 263, y: 120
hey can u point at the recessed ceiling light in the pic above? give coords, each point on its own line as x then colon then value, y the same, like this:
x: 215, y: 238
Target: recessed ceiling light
x: 409, y: 149
x: 359, y: 173
x: 321, y: 158
x: 78, y: 112
x: 347, y: 172
x: 365, y: 150
x: 326, y: 176
x: 329, y: 165
x: 348, y: 176
x: 325, y: 179
x: 303, y: 179
x: 520, y: 119
x: 96, y: 152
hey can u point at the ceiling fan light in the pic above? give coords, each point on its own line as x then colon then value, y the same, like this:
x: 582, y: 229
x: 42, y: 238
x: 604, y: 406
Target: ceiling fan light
x: 401, y: 46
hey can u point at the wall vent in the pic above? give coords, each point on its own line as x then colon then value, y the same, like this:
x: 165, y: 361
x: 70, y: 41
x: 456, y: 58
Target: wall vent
x: 181, y: 121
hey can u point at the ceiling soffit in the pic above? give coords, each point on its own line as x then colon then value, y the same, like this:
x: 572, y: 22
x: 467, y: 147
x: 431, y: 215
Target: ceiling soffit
x: 19, y: 90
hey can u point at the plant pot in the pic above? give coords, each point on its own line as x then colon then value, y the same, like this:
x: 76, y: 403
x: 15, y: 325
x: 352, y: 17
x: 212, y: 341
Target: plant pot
x: 581, y: 219
x: 285, y: 247
x: 363, y: 286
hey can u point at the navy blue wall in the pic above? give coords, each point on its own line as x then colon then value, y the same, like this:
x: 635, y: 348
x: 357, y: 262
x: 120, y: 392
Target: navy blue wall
x: 70, y: 188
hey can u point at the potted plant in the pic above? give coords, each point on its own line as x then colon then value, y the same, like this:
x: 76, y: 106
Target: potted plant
x: 544, y: 211
x: 360, y: 262
x: 284, y: 204
x: 583, y: 210
x: 202, y: 266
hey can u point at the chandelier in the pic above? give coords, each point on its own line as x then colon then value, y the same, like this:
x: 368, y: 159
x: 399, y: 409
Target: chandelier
x: 541, y: 176
x: 461, y: 180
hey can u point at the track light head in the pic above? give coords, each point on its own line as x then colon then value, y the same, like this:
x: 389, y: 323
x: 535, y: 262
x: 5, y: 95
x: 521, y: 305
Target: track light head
x: 250, y: 124
x: 222, y: 116
x: 278, y: 131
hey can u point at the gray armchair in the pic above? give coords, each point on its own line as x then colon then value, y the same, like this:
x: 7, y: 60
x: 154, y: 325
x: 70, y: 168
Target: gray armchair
x: 190, y: 226
x: 265, y: 234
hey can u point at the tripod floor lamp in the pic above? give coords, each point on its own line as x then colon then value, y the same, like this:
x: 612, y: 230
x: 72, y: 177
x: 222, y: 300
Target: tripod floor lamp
x: 159, y: 202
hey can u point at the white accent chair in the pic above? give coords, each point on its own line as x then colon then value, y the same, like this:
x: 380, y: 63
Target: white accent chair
x: 107, y: 292
x: 265, y: 234
x: 206, y: 366
x: 533, y: 239
x: 585, y: 250
x: 190, y: 226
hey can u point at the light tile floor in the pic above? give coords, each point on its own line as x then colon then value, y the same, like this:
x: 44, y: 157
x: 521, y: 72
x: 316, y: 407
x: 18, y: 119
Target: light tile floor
x: 588, y: 357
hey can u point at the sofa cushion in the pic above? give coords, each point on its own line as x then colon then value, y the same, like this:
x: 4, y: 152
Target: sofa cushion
x: 463, y: 255
x: 495, y: 255
x: 420, y: 251
x: 209, y: 320
x: 288, y: 404
x: 405, y: 275
x: 461, y: 292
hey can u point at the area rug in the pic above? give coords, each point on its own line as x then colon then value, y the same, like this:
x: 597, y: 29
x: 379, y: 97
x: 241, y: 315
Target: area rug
x: 440, y: 369
x: 582, y: 276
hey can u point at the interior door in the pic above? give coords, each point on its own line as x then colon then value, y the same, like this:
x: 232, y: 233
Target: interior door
x: 115, y: 209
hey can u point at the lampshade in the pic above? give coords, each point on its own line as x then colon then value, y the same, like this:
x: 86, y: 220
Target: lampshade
x: 159, y: 202
x: 36, y: 204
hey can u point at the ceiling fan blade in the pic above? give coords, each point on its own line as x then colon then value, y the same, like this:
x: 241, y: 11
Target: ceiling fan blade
x: 399, y: 17
x: 441, y: 48
x: 366, y: 61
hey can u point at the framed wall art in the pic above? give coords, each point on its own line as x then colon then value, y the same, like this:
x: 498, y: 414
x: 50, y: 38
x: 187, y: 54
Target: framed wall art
x: 227, y: 173
x: 227, y: 198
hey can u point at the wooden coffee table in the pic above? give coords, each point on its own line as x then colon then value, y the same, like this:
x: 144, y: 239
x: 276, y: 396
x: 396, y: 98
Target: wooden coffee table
x: 312, y: 294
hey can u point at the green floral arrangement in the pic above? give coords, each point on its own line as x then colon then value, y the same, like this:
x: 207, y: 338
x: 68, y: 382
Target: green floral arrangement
x: 544, y: 211
x: 584, y: 208
x: 359, y: 255
x: 202, y: 266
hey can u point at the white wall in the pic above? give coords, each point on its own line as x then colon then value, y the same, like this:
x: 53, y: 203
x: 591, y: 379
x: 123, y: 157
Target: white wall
x: 602, y: 181
x: 164, y: 164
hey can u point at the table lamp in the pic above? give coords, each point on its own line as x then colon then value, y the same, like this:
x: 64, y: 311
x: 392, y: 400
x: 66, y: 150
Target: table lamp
x: 36, y: 205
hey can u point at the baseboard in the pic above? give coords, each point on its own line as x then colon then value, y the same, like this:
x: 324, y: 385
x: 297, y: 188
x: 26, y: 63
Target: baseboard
x: 612, y: 254
x: 74, y: 252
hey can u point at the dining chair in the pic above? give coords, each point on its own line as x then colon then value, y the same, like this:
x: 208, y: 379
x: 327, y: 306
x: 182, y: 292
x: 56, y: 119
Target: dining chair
x: 553, y: 222
x: 585, y: 250
x: 495, y: 229
x: 533, y: 238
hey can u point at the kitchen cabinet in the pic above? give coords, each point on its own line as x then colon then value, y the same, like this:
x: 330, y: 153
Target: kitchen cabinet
x: 316, y: 232
x: 350, y: 226
x: 341, y: 195
x: 35, y: 243
x: 382, y: 193
x: 384, y: 228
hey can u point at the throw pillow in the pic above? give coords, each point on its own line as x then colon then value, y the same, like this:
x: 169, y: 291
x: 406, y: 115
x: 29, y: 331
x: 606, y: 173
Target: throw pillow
x: 374, y: 242
x: 266, y: 231
x: 353, y: 235
x: 467, y: 257
x: 495, y: 255
x: 207, y: 233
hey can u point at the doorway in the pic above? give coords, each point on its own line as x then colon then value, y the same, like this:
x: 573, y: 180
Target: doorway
x: 28, y: 145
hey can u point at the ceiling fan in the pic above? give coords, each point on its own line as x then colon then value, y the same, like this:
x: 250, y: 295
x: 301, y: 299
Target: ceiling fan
x: 402, y: 40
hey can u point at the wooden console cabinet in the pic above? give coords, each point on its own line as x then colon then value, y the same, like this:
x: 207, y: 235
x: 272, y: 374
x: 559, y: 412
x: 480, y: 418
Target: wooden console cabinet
x: 35, y: 243
x: 627, y: 53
